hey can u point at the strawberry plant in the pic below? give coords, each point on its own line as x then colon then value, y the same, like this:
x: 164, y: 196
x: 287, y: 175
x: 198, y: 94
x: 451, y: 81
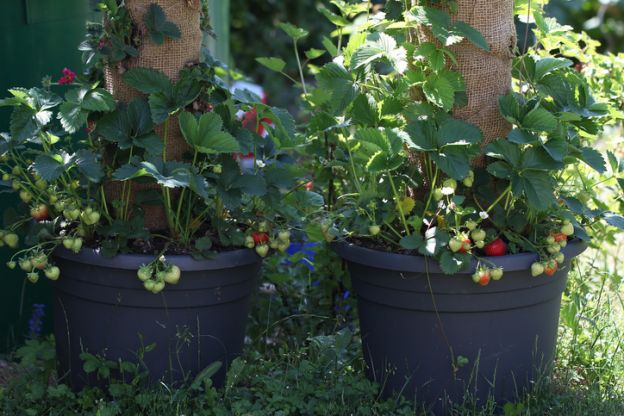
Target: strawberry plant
x: 404, y: 174
x: 95, y: 172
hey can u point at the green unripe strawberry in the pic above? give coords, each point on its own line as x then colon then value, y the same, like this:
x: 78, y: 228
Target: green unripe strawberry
x: 158, y: 287
x: 25, y: 196
x: 68, y: 243
x: 217, y: 169
x: 563, y: 243
x: 471, y: 225
x: 555, y: 248
x: 11, y: 265
x: 537, y: 269
x: 33, y: 277
x: 6, y: 177
x: 262, y: 250
x: 283, y: 247
x: 550, y: 240
x: 480, y: 244
x: 560, y: 258
x: 567, y: 228
x: 263, y: 227
x: 25, y: 265
x: 41, y: 184
x: 52, y: 273
x: 455, y: 245
x: 497, y: 273
x: 284, y: 235
x: 144, y: 273
x: 16, y: 170
x: 450, y: 185
x: 77, y: 245
x: 15, y: 185
x: 172, y: 274
x: 249, y: 242
x: 374, y: 229
x: 11, y: 240
x: 476, y: 277
x: 149, y: 285
x: 437, y: 194
x: 478, y: 234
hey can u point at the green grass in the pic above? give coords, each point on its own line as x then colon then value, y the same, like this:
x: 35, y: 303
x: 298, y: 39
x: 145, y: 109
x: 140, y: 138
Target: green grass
x: 289, y: 369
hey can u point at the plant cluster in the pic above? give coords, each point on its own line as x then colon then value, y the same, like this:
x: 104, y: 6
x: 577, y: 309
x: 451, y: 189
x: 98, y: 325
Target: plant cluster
x: 404, y: 174
x: 89, y: 169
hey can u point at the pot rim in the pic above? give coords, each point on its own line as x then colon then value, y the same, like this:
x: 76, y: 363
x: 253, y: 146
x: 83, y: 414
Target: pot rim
x: 223, y: 260
x: 421, y: 264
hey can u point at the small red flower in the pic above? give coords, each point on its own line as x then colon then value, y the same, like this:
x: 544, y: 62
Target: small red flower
x: 68, y: 77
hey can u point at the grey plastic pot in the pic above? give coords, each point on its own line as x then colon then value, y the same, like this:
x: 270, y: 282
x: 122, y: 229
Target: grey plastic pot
x: 101, y: 307
x: 419, y: 326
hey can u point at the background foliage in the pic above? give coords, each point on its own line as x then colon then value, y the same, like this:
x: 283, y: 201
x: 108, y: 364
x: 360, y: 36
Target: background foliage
x: 254, y: 33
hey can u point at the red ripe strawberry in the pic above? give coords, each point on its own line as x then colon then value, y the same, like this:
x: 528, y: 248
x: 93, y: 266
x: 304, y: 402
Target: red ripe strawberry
x: 260, y: 238
x: 495, y: 248
x: 484, y: 278
x: 559, y: 237
x: 466, y: 245
x: 551, y: 267
x: 40, y: 212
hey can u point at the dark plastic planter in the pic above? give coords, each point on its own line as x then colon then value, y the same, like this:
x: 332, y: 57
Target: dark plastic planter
x: 418, y: 324
x: 101, y: 307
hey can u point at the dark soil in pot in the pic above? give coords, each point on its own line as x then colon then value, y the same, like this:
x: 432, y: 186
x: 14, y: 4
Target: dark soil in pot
x: 434, y: 337
x: 101, y: 307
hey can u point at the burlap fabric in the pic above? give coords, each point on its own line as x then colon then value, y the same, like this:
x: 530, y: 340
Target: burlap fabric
x: 487, y: 74
x: 169, y: 58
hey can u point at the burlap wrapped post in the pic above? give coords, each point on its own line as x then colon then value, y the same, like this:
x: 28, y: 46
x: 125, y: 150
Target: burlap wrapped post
x: 170, y: 58
x: 487, y: 74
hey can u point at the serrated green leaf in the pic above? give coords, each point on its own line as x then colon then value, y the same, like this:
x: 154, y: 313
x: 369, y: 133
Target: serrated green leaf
x: 452, y: 263
x: 455, y: 131
x: 314, y: 53
x: 544, y: 66
x: 439, y: 91
x: 158, y: 26
x: 614, y: 220
x: 520, y: 136
x: 148, y: 80
x: 49, y: 167
x: 335, y: 19
x: 98, y: 100
x: 539, y: 119
x: 329, y: 46
x: 411, y: 242
x: 500, y: 169
x: 363, y: 111
x: 594, y: 159
x: 206, y: 135
x: 292, y: 31
x: 274, y: 64
x: 89, y: 165
x: 72, y: 117
x: 537, y: 187
x: 470, y: 33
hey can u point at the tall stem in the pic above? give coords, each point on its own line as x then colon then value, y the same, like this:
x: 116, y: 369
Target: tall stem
x: 303, y: 85
x: 397, y: 201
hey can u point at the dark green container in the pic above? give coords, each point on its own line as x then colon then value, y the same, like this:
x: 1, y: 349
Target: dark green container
x: 37, y: 38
